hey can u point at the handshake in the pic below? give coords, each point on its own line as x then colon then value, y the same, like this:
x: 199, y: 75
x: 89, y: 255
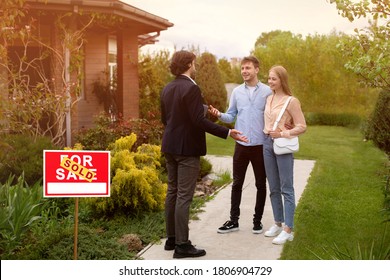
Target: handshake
x: 235, y: 134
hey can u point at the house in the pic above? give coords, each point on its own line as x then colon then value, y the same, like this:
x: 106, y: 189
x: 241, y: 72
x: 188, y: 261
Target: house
x: 110, y: 41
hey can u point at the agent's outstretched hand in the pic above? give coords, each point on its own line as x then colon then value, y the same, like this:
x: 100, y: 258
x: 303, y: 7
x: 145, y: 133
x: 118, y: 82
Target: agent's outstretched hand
x: 237, y: 135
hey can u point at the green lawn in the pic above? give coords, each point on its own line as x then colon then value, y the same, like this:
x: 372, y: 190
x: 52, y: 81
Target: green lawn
x: 340, y: 210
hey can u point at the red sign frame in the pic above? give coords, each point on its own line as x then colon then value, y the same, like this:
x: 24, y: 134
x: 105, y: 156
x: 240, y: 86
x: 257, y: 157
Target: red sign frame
x: 70, y: 180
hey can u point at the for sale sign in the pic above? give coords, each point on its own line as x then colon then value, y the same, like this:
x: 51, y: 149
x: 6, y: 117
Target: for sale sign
x: 70, y: 173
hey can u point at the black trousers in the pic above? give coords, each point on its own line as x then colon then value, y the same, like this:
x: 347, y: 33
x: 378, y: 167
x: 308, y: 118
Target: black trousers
x: 243, y: 155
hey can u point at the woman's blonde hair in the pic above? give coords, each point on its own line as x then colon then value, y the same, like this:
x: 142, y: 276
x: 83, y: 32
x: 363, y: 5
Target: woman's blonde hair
x: 281, y: 72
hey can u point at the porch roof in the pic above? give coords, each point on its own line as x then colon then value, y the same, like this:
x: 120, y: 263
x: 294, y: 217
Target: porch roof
x: 141, y: 21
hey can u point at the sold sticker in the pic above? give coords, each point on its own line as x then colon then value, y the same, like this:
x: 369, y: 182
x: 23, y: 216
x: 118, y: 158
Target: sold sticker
x: 77, y: 169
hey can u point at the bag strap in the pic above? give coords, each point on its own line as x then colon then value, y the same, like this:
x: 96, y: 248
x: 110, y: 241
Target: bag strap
x: 281, y: 113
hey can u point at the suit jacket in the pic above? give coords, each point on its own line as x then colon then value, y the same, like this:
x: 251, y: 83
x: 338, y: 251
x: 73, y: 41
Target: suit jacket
x: 182, y: 113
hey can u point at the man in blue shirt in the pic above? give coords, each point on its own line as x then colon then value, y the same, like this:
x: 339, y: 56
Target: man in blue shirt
x: 246, y: 107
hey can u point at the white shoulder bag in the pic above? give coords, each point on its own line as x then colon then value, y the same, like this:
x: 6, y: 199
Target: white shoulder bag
x: 285, y: 145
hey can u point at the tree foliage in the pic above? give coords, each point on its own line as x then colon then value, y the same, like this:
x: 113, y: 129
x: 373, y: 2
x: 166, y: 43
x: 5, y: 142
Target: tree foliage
x: 266, y: 37
x: 226, y: 70
x: 368, y: 51
x: 210, y: 81
x: 353, y: 9
x: 316, y: 72
x: 153, y: 76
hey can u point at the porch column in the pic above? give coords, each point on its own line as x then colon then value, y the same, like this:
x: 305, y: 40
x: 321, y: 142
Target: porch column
x: 127, y: 76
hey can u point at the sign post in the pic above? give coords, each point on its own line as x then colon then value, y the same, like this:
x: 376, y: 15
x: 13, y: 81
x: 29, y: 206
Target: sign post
x: 76, y: 227
x: 71, y: 173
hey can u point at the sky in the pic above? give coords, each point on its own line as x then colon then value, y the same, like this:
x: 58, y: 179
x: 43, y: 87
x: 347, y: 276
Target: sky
x: 229, y: 28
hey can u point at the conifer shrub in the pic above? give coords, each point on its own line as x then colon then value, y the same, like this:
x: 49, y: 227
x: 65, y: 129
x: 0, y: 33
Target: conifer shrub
x: 210, y: 81
x: 136, y: 185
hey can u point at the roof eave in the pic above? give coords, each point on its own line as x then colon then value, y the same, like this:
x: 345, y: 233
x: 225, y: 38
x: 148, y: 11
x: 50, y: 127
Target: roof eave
x: 118, y: 8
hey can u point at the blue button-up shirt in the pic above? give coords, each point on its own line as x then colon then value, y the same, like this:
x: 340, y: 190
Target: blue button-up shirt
x: 248, y: 112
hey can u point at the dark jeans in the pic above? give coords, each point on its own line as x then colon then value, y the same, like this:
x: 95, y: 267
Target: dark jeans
x: 242, y: 156
x: 183, y: 173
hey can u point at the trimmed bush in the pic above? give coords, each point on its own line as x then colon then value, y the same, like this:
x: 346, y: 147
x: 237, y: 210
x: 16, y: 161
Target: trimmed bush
x: 345, y: 120
x: 378, y: 126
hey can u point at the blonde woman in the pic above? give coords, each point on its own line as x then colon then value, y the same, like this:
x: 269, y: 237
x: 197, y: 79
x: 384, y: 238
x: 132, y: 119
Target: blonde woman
x: 279, y: 168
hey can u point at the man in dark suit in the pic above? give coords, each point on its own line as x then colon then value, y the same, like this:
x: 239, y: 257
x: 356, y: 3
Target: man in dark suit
x: 184, y: 115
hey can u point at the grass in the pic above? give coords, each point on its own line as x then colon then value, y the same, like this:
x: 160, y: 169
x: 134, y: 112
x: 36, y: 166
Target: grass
x: 338, y: 215
x: 218, y: 146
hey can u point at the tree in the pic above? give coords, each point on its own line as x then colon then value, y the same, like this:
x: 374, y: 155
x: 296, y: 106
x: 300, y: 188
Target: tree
x: 210, y: 81
x: 226, y: 70
x: 278, y: 47
x: 316, y: 72
x: 368, y: 51
x: 265, y: 37
x: 153, y: 76
x: 369, y: 56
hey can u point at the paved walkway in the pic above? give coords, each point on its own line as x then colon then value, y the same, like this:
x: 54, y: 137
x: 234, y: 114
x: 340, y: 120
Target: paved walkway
x: 238, y: 245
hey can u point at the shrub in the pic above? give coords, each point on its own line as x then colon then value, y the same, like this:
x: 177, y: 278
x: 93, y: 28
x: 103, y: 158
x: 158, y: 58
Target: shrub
x: 345, y: 120
x: 378, y: 126
x: 106, y: 132
x: 19, y: 155
x: 147, y: 131
x: 136, y: 186
x: 99, y: 137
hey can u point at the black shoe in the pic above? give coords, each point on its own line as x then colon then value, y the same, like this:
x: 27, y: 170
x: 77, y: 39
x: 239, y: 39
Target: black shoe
x: 188, y: 251
x: 257, y: 227
x: 170, y: 244
x: 228, y: 226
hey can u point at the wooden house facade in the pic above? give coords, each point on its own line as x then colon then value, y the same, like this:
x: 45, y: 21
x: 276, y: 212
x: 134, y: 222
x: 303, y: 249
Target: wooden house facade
x: 111, y: 42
